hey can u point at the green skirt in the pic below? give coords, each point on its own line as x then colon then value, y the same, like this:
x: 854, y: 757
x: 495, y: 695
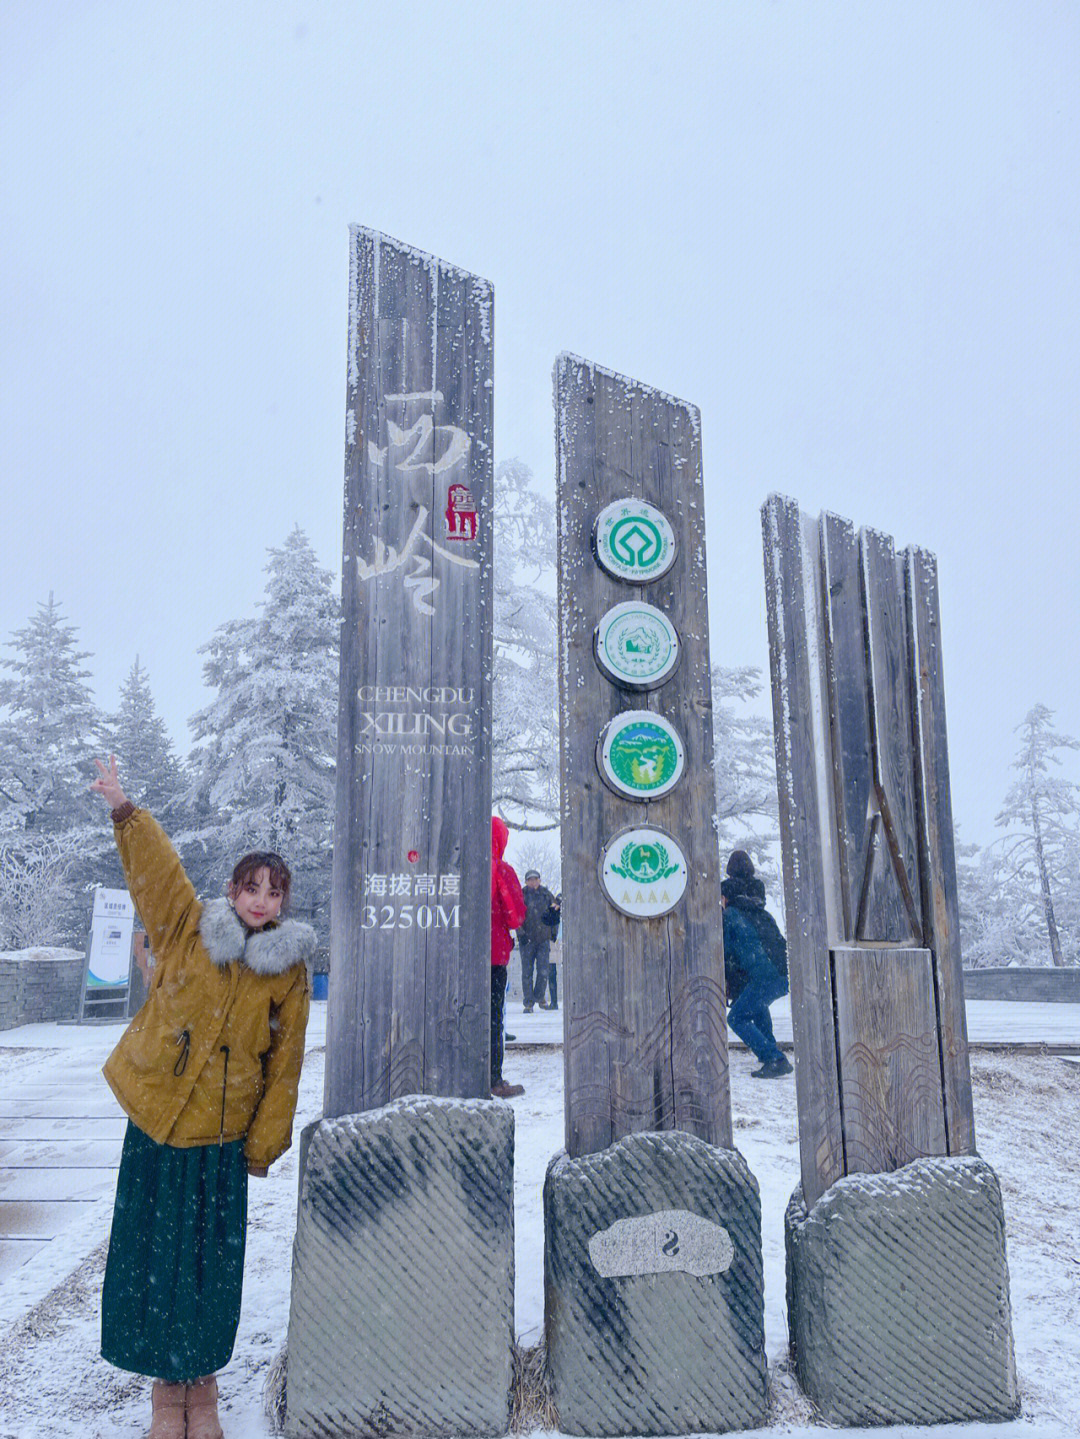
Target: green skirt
x: 171, y: 1299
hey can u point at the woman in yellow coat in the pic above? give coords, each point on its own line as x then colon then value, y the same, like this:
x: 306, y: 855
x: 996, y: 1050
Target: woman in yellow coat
x: 207, y: 1073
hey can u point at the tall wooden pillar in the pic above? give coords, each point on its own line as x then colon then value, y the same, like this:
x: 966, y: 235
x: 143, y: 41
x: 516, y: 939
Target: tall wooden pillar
x: 649, y: 1185
x: 645, y: 1031
x: 410, y: 978
x: 898, y: 1287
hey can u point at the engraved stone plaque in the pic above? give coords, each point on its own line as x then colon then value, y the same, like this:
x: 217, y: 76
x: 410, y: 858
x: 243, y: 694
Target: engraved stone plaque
x: 670, y: 1240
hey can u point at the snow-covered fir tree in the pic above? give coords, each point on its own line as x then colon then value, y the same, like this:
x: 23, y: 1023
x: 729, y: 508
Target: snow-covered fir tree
x: 1039, y: 849
x: 50, y: 829
x: 50, y: 729
x: 525, y: 734
x: 261, y: 773
x: 137, y: 735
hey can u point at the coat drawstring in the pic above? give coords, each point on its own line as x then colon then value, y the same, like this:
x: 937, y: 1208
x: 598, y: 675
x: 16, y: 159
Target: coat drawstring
x: 224, y: 1086
x: 181, y: 1063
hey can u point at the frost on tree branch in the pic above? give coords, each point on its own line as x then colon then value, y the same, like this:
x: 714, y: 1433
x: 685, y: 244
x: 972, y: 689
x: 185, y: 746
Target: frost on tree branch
x: 34, y: 881
x: 525, y: 734
x: 745, y: 767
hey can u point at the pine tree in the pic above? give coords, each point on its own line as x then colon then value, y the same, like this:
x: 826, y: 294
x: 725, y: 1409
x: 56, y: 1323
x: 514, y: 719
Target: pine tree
x: 49, y: 732
x: 1040, y: 818
x: 148, y: 764
x: 525, y: 733
x: 262, y: 773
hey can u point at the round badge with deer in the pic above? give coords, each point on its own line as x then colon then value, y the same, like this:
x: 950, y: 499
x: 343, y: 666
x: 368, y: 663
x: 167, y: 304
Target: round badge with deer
x: 643, y: 872
x: 640, y: 755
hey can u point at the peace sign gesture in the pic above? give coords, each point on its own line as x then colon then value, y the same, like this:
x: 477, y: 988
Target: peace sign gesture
x: 107, y: 784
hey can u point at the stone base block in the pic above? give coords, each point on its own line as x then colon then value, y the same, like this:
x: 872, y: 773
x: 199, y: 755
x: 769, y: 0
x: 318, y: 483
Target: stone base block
x: 898, y: 1296
x: 402, y: 1316
x: 653, y: 1286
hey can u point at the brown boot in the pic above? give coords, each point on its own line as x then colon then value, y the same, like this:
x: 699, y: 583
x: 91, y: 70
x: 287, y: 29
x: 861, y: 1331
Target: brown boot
x: 168, y: 1402
x: 202, y: 1415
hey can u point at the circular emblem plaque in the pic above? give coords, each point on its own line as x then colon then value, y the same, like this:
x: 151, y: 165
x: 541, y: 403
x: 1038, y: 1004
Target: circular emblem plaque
x: 643, y: 872
x: 636, y: 646
x: 640, y: 755
x: 633, y: 541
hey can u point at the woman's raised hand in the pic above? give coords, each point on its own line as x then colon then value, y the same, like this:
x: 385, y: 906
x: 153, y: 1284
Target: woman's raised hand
x: 107, y: 784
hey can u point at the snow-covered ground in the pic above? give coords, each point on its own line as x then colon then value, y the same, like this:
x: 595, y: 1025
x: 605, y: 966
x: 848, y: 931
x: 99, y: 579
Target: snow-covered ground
x: 52, y: 1382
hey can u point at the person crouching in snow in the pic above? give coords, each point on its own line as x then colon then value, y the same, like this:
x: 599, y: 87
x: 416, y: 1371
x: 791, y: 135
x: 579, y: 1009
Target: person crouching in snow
x: 207, y: 1073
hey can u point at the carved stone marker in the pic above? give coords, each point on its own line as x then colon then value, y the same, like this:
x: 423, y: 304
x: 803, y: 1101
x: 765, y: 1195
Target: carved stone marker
x: 402, y: 1319
x: 881, y: 1060
x: 898, y: 1296
x: 403, y: 1278
x: 653, y: 1269
x: 643, y: 1341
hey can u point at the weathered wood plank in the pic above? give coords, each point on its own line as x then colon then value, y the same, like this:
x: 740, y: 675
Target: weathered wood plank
x: 645, y: 1041
x: 890, y: 1077
x: 893, y: 913
x: 937, y: 843
x: 589, y: 1010
x: 805, y: 880
x: 458, y: 994
x: 849, y: 716
x: 695, y: 939
x: 408, y: 1008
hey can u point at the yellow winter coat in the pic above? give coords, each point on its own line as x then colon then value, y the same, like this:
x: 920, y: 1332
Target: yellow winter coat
x: 215, y: 1052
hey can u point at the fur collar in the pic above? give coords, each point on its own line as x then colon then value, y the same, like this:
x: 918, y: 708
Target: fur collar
x: 267, y: 951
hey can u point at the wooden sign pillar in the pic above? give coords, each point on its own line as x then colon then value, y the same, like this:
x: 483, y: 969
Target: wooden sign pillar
x: 881, y: 1059
x: 403, y: 1298
x: 408, y: 1008
x: 649, y: 1183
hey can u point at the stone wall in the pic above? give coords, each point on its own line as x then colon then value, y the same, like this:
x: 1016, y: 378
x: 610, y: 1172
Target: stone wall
x: 1059, y: 986
x: 39, y: 986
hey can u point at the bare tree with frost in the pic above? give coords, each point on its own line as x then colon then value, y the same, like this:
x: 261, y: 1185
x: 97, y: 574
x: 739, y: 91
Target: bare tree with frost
x: 36, y: 888
x: 999, y: 926
x: 261, y: 774
x: 745, y: 765
x: 525, y: 732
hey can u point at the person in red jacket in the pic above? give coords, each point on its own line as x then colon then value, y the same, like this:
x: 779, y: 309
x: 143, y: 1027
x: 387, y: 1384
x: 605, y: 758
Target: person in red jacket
x: 507, y: 914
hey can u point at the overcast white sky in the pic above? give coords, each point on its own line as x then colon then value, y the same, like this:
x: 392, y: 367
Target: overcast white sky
x: 847, y: 231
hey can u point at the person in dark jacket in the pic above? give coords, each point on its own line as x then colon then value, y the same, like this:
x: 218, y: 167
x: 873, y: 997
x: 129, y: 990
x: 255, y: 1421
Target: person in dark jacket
x: 754, y: 979
x: 744, y: 891
x: 534, y: 940
x: 552, y: 920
